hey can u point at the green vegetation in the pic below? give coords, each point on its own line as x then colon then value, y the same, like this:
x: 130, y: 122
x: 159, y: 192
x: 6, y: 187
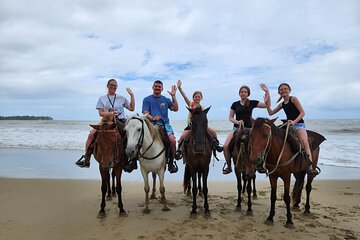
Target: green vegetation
x: 26, y: 118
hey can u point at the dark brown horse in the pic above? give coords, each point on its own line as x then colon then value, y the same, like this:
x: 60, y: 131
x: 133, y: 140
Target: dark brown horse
x: 198, y: 155
x: 269, y: 148
x: 238, y: 148
x: 109, y: 153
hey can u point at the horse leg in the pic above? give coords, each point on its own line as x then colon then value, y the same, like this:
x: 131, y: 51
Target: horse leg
x: 194, y: 192
x: 113, y: 188
x: 297, y: 189
x: 286, y: 179
x: 245, y: 181
x: 273, y: 184
x: 239, y: 188
x: 249, y: 211
x: 117, y: 172
x: 146, y: 190
x: 153, y: 195
x: 205, y: 191
x: 254, y: 188
x: 199, y: 184
x: 104, y: 180
x: 109, y: 196
x: 162, y: 190
x: 308, y: 190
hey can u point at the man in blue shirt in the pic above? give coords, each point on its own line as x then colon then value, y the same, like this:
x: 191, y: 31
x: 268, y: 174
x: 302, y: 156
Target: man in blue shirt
x: 155, y: 107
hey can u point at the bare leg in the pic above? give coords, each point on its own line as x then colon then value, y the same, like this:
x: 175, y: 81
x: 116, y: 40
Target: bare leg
x: 227, y: 154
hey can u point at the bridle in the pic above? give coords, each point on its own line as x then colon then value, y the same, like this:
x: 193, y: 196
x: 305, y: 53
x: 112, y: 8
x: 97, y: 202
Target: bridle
x: 267, y: 148
x: 140, y: 143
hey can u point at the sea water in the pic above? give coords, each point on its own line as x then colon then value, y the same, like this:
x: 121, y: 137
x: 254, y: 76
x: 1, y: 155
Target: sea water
x: 341, y: 147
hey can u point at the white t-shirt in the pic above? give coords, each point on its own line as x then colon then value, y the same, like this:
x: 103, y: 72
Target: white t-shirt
x: 113, y: 103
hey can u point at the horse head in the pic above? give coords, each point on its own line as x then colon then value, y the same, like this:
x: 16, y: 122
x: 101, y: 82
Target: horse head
x: 108, y: 143
x: 260, y: 140
x: 134, y: 128
x: 199, y: 126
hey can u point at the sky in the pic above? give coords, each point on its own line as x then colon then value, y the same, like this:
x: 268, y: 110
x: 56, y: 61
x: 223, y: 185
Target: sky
x: 57, y: 56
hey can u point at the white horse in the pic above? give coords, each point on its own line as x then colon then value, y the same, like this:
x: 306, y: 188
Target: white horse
x: 144, y: 142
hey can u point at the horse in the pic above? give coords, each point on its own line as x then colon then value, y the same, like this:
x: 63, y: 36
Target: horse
x: 109, y: 153
x: 270, y: 146
x: 238, y: 148
x: 144, y: 142
x: 198, y: 155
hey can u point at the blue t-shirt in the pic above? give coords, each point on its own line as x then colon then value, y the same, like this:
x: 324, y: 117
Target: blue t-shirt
x: 157, y: 106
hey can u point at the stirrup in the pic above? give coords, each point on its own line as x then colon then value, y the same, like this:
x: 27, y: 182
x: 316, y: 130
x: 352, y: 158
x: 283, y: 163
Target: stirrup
x: 80, y: 160
x: 219, y: 148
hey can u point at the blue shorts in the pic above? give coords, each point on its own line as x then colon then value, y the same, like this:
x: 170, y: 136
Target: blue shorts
x: 168, y: 129
x: 299, y: 125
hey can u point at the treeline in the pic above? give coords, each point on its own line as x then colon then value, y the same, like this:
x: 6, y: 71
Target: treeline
x: 25, y: 118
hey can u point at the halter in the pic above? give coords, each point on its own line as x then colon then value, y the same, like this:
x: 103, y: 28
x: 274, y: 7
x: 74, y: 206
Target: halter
x: 140, y: 143
x: 268, y: 147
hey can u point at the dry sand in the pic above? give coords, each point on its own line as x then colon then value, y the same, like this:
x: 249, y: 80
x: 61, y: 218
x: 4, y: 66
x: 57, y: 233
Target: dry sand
x: 36, y: 209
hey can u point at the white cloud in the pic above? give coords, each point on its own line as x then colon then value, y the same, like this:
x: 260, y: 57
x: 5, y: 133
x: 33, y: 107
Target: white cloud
x: 55, y: 57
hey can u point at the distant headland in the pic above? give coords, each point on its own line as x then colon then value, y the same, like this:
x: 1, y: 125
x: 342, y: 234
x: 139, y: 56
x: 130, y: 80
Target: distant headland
x: 25, y: 118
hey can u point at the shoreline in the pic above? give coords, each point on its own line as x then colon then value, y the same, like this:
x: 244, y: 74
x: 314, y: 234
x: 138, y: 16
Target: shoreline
x: 60, y: 164
x: 36, y: 209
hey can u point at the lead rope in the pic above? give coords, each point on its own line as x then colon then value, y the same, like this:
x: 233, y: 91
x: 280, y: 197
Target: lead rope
x: 282, y: 150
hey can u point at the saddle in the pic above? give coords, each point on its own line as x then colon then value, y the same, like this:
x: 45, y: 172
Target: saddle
x: 314, y: 138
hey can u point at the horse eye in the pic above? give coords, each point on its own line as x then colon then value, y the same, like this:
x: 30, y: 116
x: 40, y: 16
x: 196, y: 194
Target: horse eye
x: 265, y: 135
x: 138, y: 129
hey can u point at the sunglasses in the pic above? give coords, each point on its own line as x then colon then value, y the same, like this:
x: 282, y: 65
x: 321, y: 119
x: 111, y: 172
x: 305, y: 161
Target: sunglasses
x: 113, y: 85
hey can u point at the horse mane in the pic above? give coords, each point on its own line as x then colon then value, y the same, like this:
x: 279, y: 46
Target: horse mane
x: 154, y: 131
x: 278, y: 132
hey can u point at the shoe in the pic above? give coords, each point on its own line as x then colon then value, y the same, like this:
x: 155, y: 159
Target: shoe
x: 313, y: 173
x: 172, y: 168
x: 226, y: 170
x: 131, y: 166
x: 178, y: 155
x: 219, y: 148
x: 82, y: 162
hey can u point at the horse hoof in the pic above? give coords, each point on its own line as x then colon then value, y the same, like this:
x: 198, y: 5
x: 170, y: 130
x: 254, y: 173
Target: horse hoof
x: 122, y: 214
x: 153, y: 196
x: 269, y: 222
x: 108, y: 198
x: 254, y: 197
x: 207, y: 213
x: 238, y: 209
x: 166, y: 209
x: 249, y: 213
x: 289, y: 225
x: 146, y: 211
x: 307, y: 213
x: 101, y: 215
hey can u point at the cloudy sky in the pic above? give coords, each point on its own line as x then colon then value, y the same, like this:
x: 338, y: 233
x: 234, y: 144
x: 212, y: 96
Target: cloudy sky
x: 56, y: 56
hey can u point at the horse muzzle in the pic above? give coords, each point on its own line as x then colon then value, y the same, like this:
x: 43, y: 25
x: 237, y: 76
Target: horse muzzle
x: 131, y: 152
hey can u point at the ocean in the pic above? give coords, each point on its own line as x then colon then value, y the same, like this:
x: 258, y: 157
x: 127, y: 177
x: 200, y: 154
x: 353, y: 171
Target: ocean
x: 341, y: 148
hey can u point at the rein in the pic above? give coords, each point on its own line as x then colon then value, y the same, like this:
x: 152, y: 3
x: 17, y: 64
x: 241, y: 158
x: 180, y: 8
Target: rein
x: 141, y: 142
x: 281, y: 153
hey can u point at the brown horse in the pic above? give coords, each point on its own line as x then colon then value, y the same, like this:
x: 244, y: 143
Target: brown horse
x: 198, y: 155
x: 238, y: 148
x: 109, y: 153
x: 269, y: 148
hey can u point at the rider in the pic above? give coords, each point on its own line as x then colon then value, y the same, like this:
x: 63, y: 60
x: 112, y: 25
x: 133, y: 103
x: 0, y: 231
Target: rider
x: 294, y: 113
x: 197, y: 97
x: 111, y: 105
x: 242, y: 110
x: 155, y: 108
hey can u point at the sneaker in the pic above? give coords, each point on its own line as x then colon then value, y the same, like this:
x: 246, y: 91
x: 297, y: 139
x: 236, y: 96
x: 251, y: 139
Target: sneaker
x: 82, y: 163
x: 219, y: 148
x: 172, y: 168
x: 178, y: 155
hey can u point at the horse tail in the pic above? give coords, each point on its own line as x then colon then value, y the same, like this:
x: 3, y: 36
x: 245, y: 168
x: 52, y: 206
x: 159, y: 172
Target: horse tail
x: 187, y: 178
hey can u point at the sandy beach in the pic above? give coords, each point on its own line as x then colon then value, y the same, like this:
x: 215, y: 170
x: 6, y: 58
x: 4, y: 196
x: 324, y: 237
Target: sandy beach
x: 67, y: 209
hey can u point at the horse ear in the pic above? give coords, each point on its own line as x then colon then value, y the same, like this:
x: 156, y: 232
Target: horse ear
x: 273, y: 120
x: 190, y: 110
x: 207, y: 109
x: 97, y: 127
